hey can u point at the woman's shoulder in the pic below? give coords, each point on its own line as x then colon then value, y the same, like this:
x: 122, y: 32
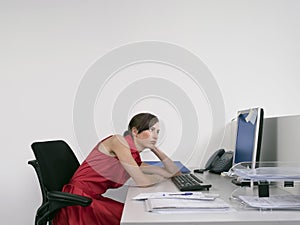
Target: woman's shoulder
x: 112, y: 142
x: 115, y: 140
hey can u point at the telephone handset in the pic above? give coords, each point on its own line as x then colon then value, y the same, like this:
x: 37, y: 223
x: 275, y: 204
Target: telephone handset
x: 219, y: 162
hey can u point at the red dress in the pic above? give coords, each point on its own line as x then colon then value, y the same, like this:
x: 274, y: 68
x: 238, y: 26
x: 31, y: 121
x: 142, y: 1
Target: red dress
x: 95, y: 175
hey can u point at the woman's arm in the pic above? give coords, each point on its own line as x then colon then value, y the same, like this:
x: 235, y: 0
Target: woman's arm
x: 150, y: 169
x: 169, y: 170
x: 118, y: 146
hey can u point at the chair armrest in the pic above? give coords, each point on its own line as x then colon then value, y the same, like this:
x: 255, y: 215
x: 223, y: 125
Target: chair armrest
x: 68, y: 199
x: 34, y: 163
x: 56, y: 201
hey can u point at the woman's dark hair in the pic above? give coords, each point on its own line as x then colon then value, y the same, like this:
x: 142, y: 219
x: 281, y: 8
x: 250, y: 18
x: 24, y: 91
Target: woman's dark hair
x: 141, y: 121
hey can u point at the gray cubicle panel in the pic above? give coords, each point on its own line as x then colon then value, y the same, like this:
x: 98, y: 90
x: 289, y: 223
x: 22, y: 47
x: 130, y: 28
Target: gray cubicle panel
x: 281, y: 139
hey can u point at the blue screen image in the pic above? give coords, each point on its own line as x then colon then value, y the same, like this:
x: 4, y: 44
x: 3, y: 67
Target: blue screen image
x: 244, y: 140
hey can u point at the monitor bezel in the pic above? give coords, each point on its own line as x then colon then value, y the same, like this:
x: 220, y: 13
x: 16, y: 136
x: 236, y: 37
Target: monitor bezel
x: 257, y: 135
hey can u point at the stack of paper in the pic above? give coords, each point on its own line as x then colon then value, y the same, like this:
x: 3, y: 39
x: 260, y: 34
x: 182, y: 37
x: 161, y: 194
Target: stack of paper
x: 181, y: 201
x: 159, y: 204
x: 273, y: 202
x: 269, y: 173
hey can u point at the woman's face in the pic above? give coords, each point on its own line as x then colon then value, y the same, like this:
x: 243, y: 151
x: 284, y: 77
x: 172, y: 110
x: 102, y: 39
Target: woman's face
x: 148, y: 138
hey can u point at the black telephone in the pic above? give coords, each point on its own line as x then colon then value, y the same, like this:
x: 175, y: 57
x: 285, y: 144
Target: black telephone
x: 220, y: 161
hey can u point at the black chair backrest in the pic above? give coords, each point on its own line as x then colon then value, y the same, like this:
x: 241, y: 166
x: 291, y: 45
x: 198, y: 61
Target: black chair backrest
x: 57, y: 163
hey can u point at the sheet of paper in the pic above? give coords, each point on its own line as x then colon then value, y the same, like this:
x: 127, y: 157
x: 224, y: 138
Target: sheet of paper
x: 177, y: 195
x: 273, y: 202
x: 158, y: 204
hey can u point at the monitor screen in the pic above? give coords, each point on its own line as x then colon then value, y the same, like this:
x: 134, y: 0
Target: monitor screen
x: 248, y: 136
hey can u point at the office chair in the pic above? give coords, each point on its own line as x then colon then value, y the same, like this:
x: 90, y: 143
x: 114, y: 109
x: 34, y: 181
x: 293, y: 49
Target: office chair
x: 54, y: 165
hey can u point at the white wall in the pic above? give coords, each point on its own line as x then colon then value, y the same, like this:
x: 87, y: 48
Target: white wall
x: 46, y: 47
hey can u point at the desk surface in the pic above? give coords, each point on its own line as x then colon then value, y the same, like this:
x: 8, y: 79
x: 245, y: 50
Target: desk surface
x: 134, y: 211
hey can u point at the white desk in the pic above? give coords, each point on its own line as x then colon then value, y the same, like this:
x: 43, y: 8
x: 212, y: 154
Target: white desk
x: 134, y: 211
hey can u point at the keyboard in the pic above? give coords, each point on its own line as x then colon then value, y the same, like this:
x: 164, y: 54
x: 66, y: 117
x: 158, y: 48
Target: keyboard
x: 189, y: 182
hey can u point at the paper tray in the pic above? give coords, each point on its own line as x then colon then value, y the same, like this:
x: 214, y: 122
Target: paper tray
x: 273, y: 202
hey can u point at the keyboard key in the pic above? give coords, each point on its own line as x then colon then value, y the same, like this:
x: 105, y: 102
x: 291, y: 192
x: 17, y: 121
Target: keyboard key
x: 189, y: 182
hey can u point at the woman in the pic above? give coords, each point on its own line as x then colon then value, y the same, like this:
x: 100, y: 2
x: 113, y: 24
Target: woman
x: 109, y: 165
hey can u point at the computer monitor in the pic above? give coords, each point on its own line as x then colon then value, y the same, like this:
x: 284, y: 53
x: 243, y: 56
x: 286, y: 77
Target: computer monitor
x: 248, y: 136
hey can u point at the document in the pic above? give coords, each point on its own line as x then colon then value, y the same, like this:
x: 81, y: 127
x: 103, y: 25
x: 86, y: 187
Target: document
x: 159, y: 205
x: 183, y: 168
x: 172, y: 202
x: 177, y: 195
x: 273, y: 202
